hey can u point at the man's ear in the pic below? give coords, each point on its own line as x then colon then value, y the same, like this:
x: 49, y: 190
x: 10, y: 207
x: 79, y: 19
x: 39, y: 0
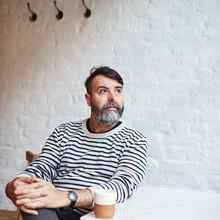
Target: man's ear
x: 88, y: 99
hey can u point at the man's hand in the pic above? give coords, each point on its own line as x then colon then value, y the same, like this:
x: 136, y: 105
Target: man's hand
x: 29, y: 194
x: 13, y: 188
x: 50, y: 197
x: 47, y: 196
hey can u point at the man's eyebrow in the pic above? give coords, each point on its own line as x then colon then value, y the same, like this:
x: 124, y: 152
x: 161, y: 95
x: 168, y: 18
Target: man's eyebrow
x: 119, y: 87
x: 105, y: 87
x: 102, y: 87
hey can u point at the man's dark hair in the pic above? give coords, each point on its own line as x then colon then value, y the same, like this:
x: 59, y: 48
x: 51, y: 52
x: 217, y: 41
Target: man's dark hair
x: 102, y: 70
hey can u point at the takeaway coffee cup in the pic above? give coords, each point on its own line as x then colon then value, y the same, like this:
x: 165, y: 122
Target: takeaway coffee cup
x: 104, y: 203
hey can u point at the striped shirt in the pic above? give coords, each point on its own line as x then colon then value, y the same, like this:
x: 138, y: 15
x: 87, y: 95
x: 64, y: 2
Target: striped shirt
x: 75, y: 158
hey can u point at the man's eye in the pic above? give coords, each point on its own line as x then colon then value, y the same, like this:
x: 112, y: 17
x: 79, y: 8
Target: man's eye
x: 118, y: 91
x: 102, y: 90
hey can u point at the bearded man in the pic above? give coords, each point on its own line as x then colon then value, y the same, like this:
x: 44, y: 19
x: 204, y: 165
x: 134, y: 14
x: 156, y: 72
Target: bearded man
x: 80, y: 157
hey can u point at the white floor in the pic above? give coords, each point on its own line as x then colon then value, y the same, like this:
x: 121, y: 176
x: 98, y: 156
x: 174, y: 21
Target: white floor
x: 152, y: 203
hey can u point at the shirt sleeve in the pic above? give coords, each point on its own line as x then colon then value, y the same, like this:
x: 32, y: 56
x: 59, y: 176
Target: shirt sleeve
x: 130, y: 171
x: 46, y: 165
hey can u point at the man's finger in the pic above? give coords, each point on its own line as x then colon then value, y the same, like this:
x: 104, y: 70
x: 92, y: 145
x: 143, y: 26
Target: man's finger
x: 32, y: 196
x: 39, y: 185
x: 39, y: 180
x: 28, y: 189
x: 24, y: 179
x: 21, y: 202
x: 28, y: 211
x: 34, y: 205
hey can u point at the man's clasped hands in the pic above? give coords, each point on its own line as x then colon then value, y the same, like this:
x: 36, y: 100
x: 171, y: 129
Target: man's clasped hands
x: 31, y: 193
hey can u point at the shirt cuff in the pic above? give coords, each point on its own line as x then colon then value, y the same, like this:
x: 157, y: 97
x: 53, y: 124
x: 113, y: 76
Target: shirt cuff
x: 24, y: 174
x: 93, y: 189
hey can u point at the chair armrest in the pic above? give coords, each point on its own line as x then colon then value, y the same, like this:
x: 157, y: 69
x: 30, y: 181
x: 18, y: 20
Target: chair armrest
x: 30, y: 157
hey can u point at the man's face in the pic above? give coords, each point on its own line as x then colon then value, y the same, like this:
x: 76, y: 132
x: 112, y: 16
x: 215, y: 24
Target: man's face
x: 106, y: 100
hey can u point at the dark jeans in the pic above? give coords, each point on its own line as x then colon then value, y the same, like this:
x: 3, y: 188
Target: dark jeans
x: 65, y: 213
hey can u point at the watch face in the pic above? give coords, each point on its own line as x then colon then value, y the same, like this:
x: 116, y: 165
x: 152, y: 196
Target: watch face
x: 73, y: 196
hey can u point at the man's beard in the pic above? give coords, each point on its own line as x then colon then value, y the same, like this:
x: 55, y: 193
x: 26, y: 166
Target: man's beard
x: 107, y: 117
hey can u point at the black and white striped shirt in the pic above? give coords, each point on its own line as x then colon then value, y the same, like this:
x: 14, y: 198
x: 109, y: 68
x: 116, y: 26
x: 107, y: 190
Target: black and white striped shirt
x: 75, y: 158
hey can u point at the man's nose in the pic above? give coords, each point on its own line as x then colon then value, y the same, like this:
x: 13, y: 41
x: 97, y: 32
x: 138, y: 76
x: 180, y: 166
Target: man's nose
x: 111, y: 97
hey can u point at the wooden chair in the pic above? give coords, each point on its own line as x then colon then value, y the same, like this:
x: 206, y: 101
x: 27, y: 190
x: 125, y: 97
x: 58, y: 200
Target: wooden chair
x: 30, y: 157
x: 7, y: 214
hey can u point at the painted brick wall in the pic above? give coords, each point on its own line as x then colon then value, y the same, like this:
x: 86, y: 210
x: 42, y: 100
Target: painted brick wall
x: 168, y: 54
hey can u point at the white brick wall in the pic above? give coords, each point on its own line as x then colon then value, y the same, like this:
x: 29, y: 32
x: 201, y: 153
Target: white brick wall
x: 168, y: 54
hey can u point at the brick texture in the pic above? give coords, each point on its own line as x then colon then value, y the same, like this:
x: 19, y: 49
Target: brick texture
x: 168, y: 54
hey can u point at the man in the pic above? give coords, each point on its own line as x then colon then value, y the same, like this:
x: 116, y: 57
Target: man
x: 80, y: 157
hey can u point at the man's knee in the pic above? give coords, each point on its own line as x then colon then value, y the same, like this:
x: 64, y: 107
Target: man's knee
x: 49, y: 214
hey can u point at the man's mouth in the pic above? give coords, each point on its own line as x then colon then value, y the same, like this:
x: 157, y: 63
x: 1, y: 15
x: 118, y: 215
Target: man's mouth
x: 111, y: 107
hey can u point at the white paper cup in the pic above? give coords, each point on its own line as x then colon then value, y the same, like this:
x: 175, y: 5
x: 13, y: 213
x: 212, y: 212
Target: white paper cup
x: 104, y: 203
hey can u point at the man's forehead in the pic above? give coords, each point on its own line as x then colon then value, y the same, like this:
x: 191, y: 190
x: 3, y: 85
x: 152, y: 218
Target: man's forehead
x: 105, y: 81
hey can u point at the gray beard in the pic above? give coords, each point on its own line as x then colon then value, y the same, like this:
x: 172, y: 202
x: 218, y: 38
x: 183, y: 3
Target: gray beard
x: 108, y: 118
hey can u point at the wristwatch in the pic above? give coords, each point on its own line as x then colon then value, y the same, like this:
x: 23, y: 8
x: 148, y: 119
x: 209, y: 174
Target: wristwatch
x: 73, y: 197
